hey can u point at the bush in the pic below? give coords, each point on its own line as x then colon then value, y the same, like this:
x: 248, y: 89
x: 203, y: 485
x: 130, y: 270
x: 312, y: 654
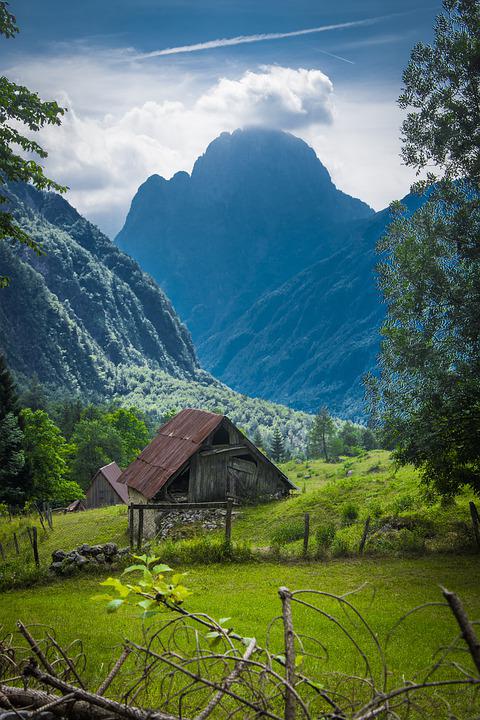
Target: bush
x: 203, y: 550
x: 288, y: 532
x: 325, y: 536
x: 340, y: 547
x: 402, y: 503
x: 349, y: 513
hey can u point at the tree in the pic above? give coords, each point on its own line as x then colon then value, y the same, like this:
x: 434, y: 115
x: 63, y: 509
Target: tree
x: 277, y: 449
x: 12, y: 460
x: 96, y: 444
x: 320, y: 433
x: 12, y: 479
x: 349, y: 437
x: 132, y: 430
x: 257, y: 439
x: 67, y: 413
x: 367, y: 439
x: 46, y: 456
x: 428, y: 394
x: 19, y: 107
x: 34, y: 396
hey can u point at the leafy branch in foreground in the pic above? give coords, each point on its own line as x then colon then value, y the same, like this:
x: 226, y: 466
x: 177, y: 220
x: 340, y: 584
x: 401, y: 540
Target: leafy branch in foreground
x: 21, y: 106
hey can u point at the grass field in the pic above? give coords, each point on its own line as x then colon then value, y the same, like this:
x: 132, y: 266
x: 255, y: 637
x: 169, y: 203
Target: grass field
x: 397, y: 578
x: 248, y: 595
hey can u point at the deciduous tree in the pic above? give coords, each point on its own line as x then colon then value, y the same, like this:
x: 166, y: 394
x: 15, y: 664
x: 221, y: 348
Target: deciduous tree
x: 21, y: 110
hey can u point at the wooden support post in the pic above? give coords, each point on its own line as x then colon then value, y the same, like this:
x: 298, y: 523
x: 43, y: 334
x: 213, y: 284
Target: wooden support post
x: 2, y: 552
x: 475, y: 523
x: 30, y: 536
x: 289, y: 639
x: 228, y: 521
x: 131, y: 514
x: 364, y: 536
x: 49, y: 517
x: 15, y: 542
x: 140, y: 528
x: 35, y: 546
x: 306, y: 534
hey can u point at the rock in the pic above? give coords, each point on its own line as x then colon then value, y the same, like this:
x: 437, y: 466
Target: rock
x: 96, y: 550
x: 81, y: 560
x: 58, y: 556
x: 84, y: 549
x: 109, y: 549
x: 100, y: 558
x: 56, y: 567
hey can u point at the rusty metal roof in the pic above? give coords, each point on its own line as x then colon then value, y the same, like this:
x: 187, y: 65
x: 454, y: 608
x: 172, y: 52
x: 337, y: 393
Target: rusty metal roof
x: 172, y: 447
x: 112, y: 473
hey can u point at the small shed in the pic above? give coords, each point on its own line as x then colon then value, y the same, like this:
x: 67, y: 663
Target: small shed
x: 200, y: 456
x: 105, y: 489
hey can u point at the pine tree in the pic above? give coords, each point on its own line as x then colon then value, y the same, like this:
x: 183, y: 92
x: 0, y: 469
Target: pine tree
x: 34, y: 397
x: 320, y: 434
x: 257, y: 439
x: 8, y: 391
x: 11, y: 455
x: 277, y: 449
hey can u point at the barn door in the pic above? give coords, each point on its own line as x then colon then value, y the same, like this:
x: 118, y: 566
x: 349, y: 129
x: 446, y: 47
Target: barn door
x: 241, y: 478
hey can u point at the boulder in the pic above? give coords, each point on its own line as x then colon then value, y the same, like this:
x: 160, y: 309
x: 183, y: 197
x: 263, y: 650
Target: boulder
x: 58, y: 556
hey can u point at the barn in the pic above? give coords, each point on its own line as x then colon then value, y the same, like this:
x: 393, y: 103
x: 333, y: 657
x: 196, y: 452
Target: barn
x: 105, y: 488
x: 199, y: 456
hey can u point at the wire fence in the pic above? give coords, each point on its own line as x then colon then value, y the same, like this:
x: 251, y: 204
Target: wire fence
x: 22, y: 533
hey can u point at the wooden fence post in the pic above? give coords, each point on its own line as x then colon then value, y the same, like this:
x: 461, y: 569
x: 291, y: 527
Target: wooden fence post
x: 140, y: 529
x: 289, y: 639
x: 15, y: 542
x: 49, y: 517
x: 364, y: 536
x: 228, y: 521
x: 475, y: 522
x: 306, y: 533
x: 2, y: 552
x: 131, y: 515
x: 35, y: 546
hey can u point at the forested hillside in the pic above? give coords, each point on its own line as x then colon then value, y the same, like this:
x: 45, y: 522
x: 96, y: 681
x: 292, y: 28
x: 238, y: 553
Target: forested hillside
x: 87, y: 321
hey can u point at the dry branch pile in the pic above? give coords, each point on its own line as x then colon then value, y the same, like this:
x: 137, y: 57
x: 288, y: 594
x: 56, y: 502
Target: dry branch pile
x: 192, y: 667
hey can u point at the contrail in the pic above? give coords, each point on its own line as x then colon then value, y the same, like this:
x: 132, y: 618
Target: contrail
x: 243, y: 39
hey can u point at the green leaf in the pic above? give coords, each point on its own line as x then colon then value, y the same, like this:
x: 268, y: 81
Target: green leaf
x: 246, y: 641
x: 161, y: 569
x: 113, y: 605
x: 213, y: 634
x: 298, y: 660
x: 145, y: 604
x: 133, y: 568
x: 222, y: 621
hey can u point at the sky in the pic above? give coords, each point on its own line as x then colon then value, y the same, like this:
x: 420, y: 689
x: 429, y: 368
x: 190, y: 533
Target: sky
x: 149, y: 83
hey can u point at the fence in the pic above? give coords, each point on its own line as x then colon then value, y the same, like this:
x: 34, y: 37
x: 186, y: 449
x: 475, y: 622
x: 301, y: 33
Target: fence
x: 25, y: 538
x: 142, y: 517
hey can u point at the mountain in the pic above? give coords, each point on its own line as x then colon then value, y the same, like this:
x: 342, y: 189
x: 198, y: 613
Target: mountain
x: 258, y: 207
x: 75, y: 313
x: 86, y: 319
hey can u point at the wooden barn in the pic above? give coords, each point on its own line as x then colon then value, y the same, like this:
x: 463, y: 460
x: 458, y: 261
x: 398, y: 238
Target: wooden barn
x: 105, y: 488
x: 200, y: 456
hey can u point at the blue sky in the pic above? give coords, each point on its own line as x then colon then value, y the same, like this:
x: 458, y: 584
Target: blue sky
x: 134, y: 110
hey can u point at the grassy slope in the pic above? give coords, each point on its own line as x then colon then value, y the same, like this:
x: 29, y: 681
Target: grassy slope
x: 375, y: 488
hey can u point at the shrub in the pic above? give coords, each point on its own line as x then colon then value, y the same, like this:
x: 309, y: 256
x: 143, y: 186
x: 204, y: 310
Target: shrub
x: 203, y: 550
x: 288, y: 532
x: 325, y: 536
x: 340, y: 547
x: 402, y: 503
x: 349, y: 513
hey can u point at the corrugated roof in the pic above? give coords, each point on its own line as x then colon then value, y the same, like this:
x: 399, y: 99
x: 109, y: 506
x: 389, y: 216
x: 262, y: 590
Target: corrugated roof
x: 172, y: 447
x: 111, y: 473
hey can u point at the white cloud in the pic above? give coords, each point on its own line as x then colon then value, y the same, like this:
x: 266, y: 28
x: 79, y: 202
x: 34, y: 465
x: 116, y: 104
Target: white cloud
x: 277, y: 96
x: 128, y: 120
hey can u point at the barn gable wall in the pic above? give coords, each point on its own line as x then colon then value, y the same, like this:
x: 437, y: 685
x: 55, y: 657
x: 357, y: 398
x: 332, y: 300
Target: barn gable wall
x: 209, y: 475
x: 101, y: 494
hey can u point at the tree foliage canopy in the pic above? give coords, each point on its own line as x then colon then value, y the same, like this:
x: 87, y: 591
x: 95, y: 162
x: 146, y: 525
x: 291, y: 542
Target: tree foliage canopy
x: 21, y: 108
x: 428, y: 394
